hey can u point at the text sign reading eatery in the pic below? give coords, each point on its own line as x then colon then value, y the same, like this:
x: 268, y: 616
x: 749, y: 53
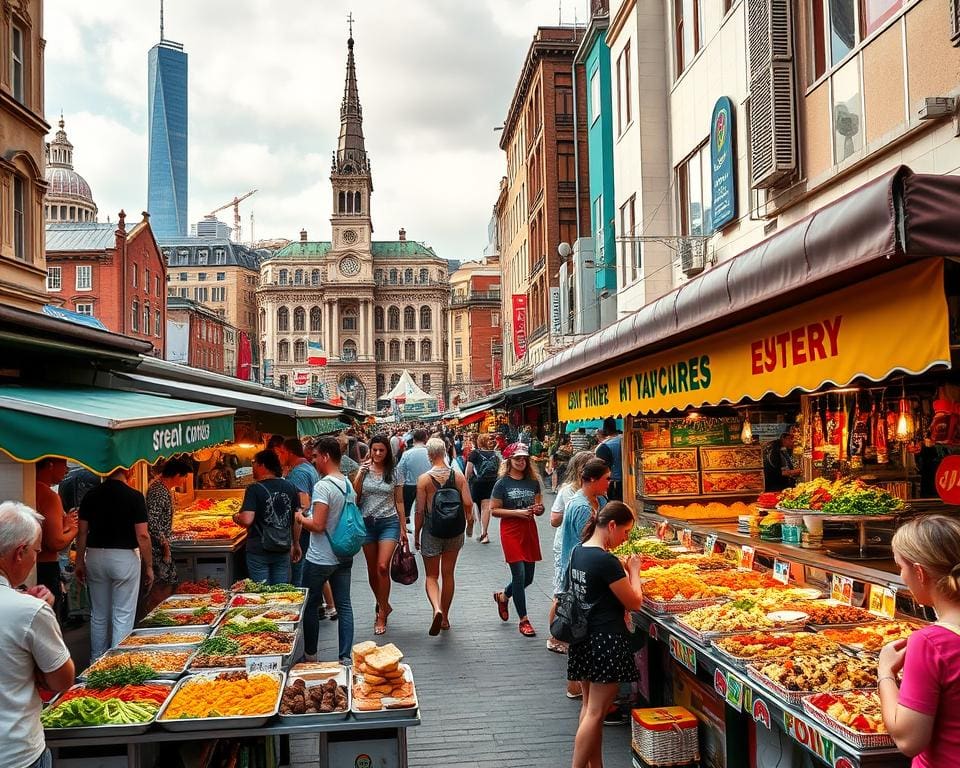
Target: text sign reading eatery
x: 892, y: 322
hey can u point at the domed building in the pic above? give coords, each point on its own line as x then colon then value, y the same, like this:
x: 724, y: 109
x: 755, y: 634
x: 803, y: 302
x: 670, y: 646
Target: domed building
x: 68, y: 195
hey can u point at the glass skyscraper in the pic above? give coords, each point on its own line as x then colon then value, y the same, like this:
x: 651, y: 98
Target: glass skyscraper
x: 167, y: 139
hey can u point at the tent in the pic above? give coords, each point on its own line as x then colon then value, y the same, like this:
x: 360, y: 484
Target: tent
x: 407, y: 391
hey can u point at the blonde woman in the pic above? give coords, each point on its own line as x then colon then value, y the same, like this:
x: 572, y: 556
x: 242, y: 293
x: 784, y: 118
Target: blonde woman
x: 922, y: 712
x: 483, y: 468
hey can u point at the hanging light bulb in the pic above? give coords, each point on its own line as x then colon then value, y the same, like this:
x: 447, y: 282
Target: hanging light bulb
x: 903, y: 420
x: 746, y: 432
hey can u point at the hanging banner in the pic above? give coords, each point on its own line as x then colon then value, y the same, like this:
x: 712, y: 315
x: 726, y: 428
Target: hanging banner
x: 497, y: 373
x: 723, y: 176
x: 520, y: 325
x: 894, y: 322
x: 556, y: 327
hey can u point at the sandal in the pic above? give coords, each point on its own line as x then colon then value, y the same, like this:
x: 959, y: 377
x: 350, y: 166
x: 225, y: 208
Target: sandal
x: 380, y: 625
x: 435, y: 624
x: 557, y: 646
x: 484, y: 539
x: 503, y: 606
x: 526, y: 629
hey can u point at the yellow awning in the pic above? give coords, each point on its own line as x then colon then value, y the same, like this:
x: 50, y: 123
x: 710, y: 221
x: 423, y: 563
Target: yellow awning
x: 894, y: 322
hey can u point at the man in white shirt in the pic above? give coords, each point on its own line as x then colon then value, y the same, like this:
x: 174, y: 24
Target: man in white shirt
x: 30, y: 641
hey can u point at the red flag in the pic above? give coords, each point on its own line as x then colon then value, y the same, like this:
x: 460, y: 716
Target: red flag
x: 520, y: 325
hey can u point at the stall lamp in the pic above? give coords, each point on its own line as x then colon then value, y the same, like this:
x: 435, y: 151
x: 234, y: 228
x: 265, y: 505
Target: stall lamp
x: 746, y: 432
x: 903, y: 426
x: 694, y: 416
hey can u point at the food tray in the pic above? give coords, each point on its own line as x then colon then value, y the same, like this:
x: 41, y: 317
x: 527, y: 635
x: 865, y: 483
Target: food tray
x: 83, y: 731
x: 661, y: 607
x: 388, y: 714
x: 265, y: 596
x: 286, y: 659
x: 344, y: 678
x: 790, y: 697
x: 703, y: 638
x: 743, y: 661
x: 181, y: 611
x: 712, y: 457
x: 174, y: 602
x: 189, y: 649
x: 151, y: 631
x: 854, y: 738
x: 284, y: 626
x: 293, y: 608
x: 213, y: 723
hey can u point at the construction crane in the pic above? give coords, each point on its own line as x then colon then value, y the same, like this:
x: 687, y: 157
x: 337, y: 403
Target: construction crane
x: 236, y: 213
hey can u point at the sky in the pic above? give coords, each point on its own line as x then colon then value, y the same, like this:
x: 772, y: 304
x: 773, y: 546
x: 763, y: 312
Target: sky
x: 265, y: 85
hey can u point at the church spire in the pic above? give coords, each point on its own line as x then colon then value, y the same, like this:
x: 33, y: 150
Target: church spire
x: 351, y: 157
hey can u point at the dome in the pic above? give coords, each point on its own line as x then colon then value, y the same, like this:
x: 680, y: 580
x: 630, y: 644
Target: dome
x: 68, y: 195
x: 66, y: 182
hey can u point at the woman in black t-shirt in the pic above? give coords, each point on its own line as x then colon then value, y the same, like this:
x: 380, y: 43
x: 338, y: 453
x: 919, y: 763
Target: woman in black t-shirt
x: 483, y: 466
x: 603, y: 660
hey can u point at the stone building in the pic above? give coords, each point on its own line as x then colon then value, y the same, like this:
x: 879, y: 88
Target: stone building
x: 68, y: 195
x: 377, y: 307
x: 474, y: 331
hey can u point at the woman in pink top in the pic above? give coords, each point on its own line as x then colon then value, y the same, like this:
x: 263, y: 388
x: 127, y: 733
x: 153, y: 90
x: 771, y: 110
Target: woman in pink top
x: 922, y: 714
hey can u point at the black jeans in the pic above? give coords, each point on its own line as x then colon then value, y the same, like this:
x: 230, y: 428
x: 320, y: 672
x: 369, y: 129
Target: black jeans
x: 48, y: 574
x: 522, y: 577
x: 615, y: 490
x: 409, y: 499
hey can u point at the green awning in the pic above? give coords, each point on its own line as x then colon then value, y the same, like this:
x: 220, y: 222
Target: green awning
x: 105, y: 429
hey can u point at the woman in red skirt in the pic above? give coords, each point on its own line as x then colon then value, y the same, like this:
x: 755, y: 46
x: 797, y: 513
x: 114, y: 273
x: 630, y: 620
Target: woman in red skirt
x: 516, y: 500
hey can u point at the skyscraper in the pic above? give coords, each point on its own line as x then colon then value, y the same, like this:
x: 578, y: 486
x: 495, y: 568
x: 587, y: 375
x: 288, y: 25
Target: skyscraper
x: 167, y: 138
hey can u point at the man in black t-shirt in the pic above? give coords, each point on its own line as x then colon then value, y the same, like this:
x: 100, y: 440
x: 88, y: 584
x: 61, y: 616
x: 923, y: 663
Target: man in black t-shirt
x: 268, y: 513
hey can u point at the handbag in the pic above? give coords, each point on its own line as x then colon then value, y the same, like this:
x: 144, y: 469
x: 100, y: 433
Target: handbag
x: 571, y: 623
x: 403, y: 566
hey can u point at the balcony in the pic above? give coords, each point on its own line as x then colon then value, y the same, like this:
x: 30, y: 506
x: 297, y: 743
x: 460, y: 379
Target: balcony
x: 475, y: 298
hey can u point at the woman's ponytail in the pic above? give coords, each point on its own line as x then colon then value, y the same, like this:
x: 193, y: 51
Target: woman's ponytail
x: 615, y: 511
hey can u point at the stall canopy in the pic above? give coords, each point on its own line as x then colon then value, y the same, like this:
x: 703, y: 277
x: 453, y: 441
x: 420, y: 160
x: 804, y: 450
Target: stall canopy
x: 407, y: 391
x: 103, y: 429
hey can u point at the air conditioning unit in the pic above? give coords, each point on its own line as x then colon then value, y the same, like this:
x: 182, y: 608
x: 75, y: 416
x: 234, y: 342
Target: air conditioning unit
x: 770, y: 33
x: 692, y: 255
x: 773, y: 126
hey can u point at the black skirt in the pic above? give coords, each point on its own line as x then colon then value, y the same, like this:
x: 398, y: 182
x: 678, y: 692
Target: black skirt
x: 602, y: 658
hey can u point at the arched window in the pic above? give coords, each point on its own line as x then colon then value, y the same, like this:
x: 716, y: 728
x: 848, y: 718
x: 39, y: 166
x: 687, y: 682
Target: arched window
x: 342, y: 203
x: 379, y: 349
x: 393, y: 316
x: 394, y: 352
x: 378, y: 275
x: 349, y: 319
x: 349, y: 202
x: 263, y: 320
x: 424, y: 276
x: 426, y: 382
x: 146, y: 318
x: 426, y: 318
x: 378, y: 318
x: 298, y: 277
x: 284, y: 277
x: 299, y: 351
x: 283, y: 319
x: 357, y: 208
x: 299, y: 319
x: 315, y: 277
x: 283, y: 351
x: 283, y: 382
x: 393, y: 277
x: 316, y: 322
x: 394, y: 380
x: 408, y: 275
x: 409, y: 319
x: 381, y: 385
x: 135, y: 315
x: 349, y: 351
x: 410, y: 350
x: 425, y: 351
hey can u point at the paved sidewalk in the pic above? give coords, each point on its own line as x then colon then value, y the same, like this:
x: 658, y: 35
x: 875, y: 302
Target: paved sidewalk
x: 489, y: 697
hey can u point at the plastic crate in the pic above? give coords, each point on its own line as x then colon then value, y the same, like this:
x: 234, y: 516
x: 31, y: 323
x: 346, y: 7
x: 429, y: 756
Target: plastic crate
x: 664, y: 736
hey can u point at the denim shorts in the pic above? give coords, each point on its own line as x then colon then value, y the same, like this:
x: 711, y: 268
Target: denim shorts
x: 382, y: 529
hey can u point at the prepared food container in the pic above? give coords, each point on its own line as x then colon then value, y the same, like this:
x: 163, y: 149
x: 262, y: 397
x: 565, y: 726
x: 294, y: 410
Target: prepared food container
x: 194, y: 621
x: 253, y: 720
x: 101, y: 731
x: 388, y: 708
x: 857, y: 739
x: 158, y: 637
x: 343, y: 677
x: 187, y: 652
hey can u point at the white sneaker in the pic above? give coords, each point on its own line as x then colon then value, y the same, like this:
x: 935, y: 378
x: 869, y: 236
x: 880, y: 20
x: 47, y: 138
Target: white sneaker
x: 330, y: 613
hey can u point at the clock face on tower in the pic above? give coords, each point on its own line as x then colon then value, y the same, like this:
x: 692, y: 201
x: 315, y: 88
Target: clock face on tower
x: 349, y: 236
x: 349, y: 265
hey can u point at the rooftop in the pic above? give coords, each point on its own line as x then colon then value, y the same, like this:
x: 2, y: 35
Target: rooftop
x: 188, y: 252
x: 382, y: 249
x: 80, y: 236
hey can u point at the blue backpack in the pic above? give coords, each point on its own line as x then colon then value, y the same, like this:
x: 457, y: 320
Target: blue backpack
x: 347, y: 538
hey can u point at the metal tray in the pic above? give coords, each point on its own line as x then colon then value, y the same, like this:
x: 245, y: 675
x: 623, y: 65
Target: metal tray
x: 213, y: 723
x: 216, y: 612
x: 782, y: 693
x: 344, y: 678
x: 661, y: 607
x: 264, y: 609
x: 266, y: 597
x: 284, y: 626
x: 100, y: 731
x: 286, y: 659
x: 383, y: 713
x: 190, y: 650
x: 172, y: 603
x: 743, y: 661
x: 857, y: 739
x: 153, y: 631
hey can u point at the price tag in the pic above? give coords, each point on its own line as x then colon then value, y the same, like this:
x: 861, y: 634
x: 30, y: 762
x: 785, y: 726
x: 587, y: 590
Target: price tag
x: 883, y: 601
x: 710, y: 545
x: 781, y: 571
x: 686, y: 538
x: 662, y: 530
x: 264, y: 664
x: 746, y: 558
x: 734, y: 695
x: 841, y: 589
x: 683, y: 653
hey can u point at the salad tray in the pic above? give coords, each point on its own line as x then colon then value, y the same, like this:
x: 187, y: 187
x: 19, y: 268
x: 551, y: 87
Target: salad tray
x: 213, y: 723
x: 84, y: 731
x: 662, y: 607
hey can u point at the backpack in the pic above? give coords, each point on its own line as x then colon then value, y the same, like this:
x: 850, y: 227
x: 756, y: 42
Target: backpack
x: 276, y: 529
x: 347, y: 538
x: 571, y: 623
x: 446, y: 519
x: 489, y: 467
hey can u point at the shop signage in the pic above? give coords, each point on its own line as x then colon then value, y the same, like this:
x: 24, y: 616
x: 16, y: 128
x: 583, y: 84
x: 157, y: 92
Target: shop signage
x: 683, y: 653
x: 734, y: 695
x: 841, y: 589
x: 556, y: 326
x: 810, y: 737
x: 187, y: 436
x: 654, y: 631
x: 761, y: 713
x: 264, y: 664
x: 688, y: 437
x: 710, y: 545
x: 720, y: 682
x: 829, y: 339
x: 883, y: 601
x: 781, y: 571
x: 723, y: 173
x: 948, y: 480
x: 520, y: 325
x: 745, y: 560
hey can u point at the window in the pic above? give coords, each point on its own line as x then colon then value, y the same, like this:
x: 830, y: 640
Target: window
x: 629, y: 249
x: 157, y: 324
x: 696, y: 193
x: 299, y: 319
x: 316, y: 323
x: 184, y: 293
x: 459, y: 373
x: 283, y: 319
x: 426, y: 382
x: 284, y: 379
x: 184, y: 256
x: 349, y: 351
x: 458, y: 322
x: 53, y: 278
x: 426, y: 318
x: 379, y: 350
x: 156, y: 284
x: 408, y: 276
x: 284, y: 277
x: 394, y: 352
x: 381, y: 385
x: 426, y: 351
x: 424, y: 275
x: 135, y: 315
x: 218, y: 294
x: 221, y: 276
x: 624, y: 103
x: 201, y: 276
x: 200, y: 294
x: 84, y: 277
x: 17, y: 37
x: 834, y: 28
x: 847, y: 113
x: 298, y: 277
x: 598, y: 224
x: 410, y: 350
x: 84, y: 309
x: 687, y: 37
x: 393, y: 315
x: 183, y: 276
x: 349, y: 320
x: 20, y: 218
x: 283, y: 351
x: 378, y: 318
x: 299, y: 351
x: 595, y: 95
x: 393, y: 277
x: 378, y: 275
x: 133, y: 274
x: 220, y: 256
x: 315, y: 277
x: 146, y: 319
x: 494, y: 319
x: 146, y: 280
x: 409, y: 319
x: 202, y: 256
x: 563, y: 96
x: 394, y: 380
x: 458, y: 348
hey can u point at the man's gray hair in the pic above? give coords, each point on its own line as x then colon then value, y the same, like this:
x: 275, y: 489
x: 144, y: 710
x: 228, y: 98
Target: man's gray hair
x: 436, y: 448
x: 19, y: 525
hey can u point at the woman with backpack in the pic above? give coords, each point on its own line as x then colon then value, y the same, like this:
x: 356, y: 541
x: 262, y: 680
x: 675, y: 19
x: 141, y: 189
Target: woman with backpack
x: 444, y: 509
x: 483, y: 468
x: 380, y: 496
x: 516, y: 500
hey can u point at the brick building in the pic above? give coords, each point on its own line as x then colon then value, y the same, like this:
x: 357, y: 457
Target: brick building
x: 473, y: 330
x: 547, y: 197
x: 115, y: 275
x: 196, y: 335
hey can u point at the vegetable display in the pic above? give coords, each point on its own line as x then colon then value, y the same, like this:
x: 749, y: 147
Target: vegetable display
x: 86, y: 711
x: 169, y: 619
x: 648, y: 547
x: 249, y: 585
x: 122, y: 673
x: 218, y: 646
x: 207, y: 519
x: 143, y: 694
x: 202, y: 587
x: 840, y: 497
x: 229, y: 694
x: 155, y: 661
x: 217, y: 598
x: 240, y: 626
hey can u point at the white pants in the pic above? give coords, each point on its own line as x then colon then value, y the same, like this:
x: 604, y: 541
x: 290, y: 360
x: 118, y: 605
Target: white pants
x: 113, y: 578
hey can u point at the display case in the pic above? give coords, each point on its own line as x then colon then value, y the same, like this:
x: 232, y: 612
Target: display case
x: 676, y: 460
x: 737, y: 457
x: 670, y: 484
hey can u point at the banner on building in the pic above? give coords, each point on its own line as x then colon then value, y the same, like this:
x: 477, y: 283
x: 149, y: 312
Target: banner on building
x: 497, y: 373
x: 267, y: 372
x: 520, y: 325
x: 315, y: 354
x: 723, y: 171
x: 301, y: 382
x: 556, y: 327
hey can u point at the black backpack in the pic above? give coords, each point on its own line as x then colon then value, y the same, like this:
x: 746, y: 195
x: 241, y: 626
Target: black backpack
x: 489, y: 466
x: 276, y: 530
x: 446, y: 519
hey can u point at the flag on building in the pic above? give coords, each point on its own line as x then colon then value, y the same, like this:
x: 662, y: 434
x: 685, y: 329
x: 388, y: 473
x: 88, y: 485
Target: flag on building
x: 301, y: 382
x: 315, y: 353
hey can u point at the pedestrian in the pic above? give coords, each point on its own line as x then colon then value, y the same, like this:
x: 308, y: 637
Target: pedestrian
x: 779, y: 472
x: 380, y: 497
x: 439, y: 552
x: 304, y: 476
x: 564, y: 496
x: 922, y: 713
x: 160, y: 527
x: 59, y: 528
x: 610, y: 450
x: 34, y: 653
x: 483, y: 469
x: 586, y: 503
x: 517, y: 499
x: 604, y: 659
x: 268, y: 512
x: 329, y: 498
x: 112, y: 542
x: 413, y: 463
x: 559, y: 459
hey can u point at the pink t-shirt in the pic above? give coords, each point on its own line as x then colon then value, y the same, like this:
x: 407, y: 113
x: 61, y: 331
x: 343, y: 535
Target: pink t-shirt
x: 931, y: 686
